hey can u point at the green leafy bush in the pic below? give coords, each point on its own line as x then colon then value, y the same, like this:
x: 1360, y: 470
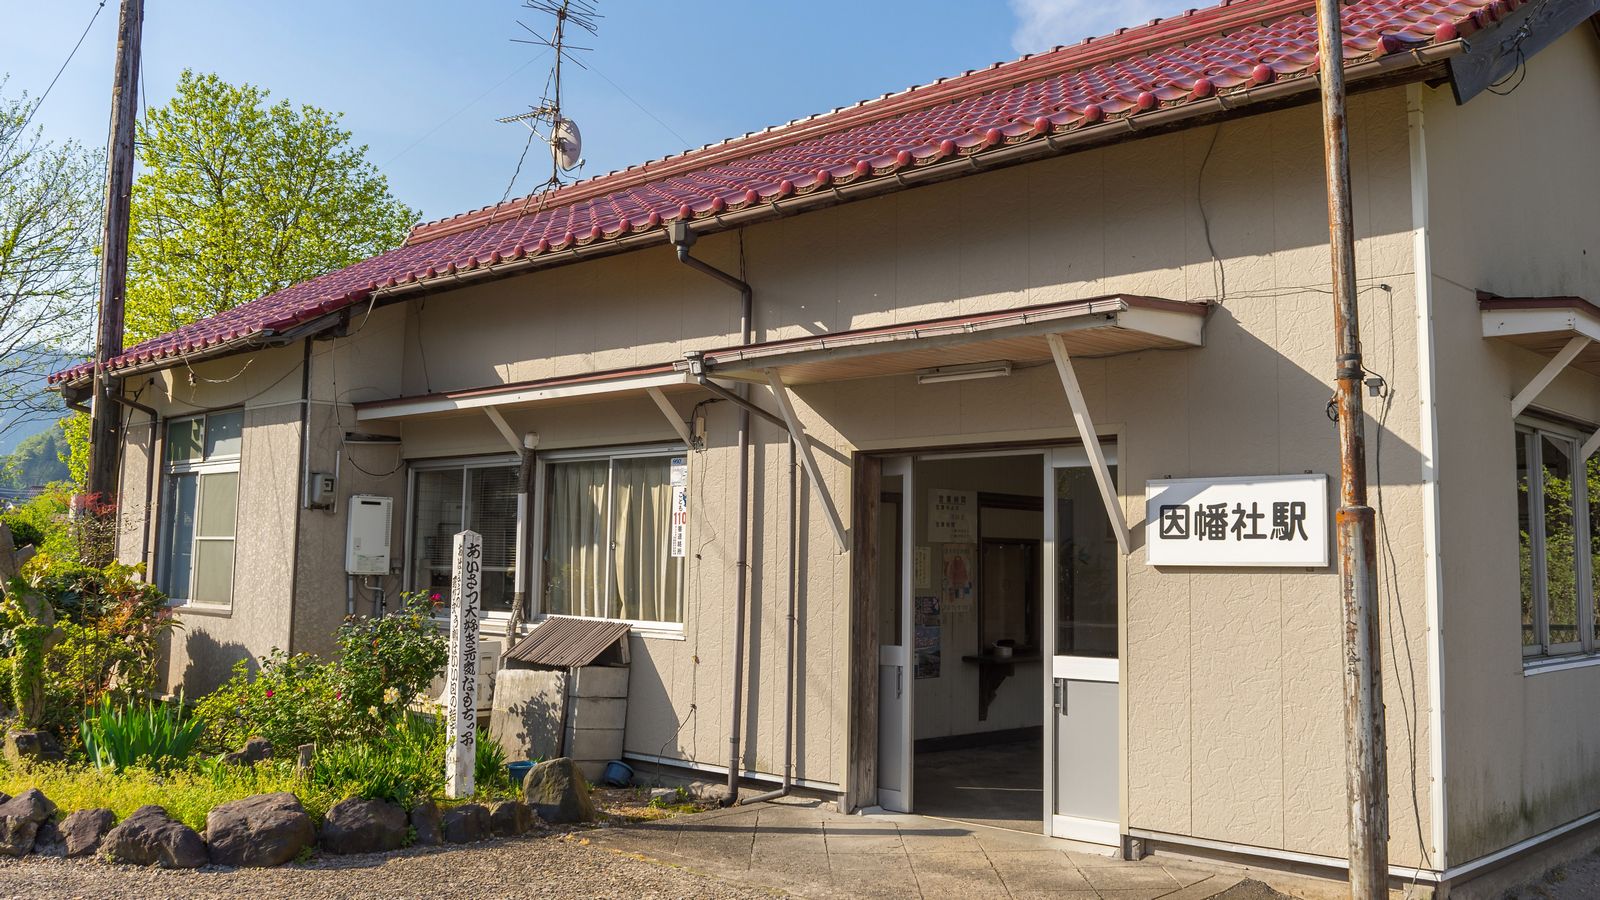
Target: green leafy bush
x: 112, y: 626
x: 288, y: 700
x: 293, y: 700
x: 154, y: 733
x: 384, y: 663
x: 489, y: 770
x: 404, y: 764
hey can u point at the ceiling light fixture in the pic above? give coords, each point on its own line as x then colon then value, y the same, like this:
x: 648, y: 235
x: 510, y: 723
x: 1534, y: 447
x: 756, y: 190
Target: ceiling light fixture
x: 972, y: 372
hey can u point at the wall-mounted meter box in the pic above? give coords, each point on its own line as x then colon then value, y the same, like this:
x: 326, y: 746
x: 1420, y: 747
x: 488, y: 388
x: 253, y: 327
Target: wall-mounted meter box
x: 366, y: 545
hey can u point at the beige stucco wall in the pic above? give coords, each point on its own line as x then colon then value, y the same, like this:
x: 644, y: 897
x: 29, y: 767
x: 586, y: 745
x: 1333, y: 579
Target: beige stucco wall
x: 1232, y: 679
x: 268, y: 569
x: 1515, y: 211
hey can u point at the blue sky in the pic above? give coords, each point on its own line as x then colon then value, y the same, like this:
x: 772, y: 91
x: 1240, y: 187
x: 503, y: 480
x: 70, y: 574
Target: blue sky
x: 421, y: 83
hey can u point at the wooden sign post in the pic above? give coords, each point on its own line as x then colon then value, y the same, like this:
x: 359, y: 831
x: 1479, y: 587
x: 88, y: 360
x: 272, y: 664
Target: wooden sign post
x: 461, y: 697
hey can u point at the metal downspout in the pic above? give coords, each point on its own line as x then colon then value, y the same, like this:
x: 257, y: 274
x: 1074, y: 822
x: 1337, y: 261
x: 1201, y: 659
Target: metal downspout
x: 682, y: 239
x: 788, y: 669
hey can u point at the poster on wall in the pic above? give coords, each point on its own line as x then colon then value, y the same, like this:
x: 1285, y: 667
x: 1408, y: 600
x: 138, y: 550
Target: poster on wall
x: 679, y: 540
x: 959, y: 569
x: 952, y: 517
x: 925, y: 635
x: 922, y: 570
x: 1243, y: 521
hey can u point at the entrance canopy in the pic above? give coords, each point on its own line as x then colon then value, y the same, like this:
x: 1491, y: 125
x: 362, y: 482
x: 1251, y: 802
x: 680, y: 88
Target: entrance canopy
x: 1101, y: 326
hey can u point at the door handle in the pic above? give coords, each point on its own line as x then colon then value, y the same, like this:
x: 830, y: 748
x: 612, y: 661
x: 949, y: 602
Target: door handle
x: 1061, y: 696
x: 899, y: 682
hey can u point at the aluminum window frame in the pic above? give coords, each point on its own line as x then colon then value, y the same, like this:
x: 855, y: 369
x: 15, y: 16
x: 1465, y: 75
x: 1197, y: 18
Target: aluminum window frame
x: 441, y: 464
x: 221, y: 464
x: 1532, y: 432
x: 540, y: 515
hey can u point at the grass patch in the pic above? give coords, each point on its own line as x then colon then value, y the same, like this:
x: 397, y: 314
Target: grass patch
x: 186, y: 794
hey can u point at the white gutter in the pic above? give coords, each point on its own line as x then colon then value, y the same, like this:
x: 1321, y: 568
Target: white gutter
x: 423, y: 406
x: 1428, y: 448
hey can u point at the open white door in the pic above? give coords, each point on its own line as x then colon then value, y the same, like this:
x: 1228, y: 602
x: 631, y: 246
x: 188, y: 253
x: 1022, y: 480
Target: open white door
x: 894, y: 630
x: 1081, y: 560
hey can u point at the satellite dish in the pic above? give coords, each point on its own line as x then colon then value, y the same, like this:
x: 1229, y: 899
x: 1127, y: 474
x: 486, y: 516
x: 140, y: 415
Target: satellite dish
x: 566, y: 143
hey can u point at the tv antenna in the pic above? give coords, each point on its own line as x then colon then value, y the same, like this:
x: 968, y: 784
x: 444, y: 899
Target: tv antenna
x: 546, y: 121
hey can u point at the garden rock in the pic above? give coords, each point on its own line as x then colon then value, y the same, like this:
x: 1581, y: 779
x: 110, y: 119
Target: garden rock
x: 466, y: 823
x: 49, y: 840
x: 31, y: 805
x: 85, y: 830
x: 264, y: 830
x: 509, y: 818
x: 254, y: 750
x: 17, y: 835
x: 32, y: 746
x: 428, y: 822
x: 557, y: 792
x: 364, y: 826
x: 150, y: 837
x: 710, y: 792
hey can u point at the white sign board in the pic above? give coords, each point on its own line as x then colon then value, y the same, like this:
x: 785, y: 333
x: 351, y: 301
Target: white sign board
x: 1254, y: 520
x: 461, y: 706
x: 679, y: 536
x: 952, y: 517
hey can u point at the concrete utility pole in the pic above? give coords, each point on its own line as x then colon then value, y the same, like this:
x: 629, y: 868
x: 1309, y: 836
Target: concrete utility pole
x: 1366, y: 768
x: 104, y: 412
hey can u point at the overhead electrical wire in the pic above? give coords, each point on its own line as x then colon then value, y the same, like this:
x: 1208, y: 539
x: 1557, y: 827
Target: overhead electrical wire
x: 40, y: 102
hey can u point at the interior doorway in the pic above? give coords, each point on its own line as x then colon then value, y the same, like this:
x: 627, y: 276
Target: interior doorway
x: 997, y: 570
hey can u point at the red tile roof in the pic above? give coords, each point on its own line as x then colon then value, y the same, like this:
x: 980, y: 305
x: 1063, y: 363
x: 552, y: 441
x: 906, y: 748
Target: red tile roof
x: 1168, y: 62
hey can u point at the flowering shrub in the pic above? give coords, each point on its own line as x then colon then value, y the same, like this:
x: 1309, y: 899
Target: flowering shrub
x: 386, y: 662
x: 300, y: 699
x: 288, y: 700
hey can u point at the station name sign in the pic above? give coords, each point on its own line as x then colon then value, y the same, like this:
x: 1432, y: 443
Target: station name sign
x: 1253, y: 520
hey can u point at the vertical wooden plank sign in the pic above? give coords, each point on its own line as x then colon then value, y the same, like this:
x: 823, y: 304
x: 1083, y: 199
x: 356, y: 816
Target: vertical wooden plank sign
x: 461, y: 697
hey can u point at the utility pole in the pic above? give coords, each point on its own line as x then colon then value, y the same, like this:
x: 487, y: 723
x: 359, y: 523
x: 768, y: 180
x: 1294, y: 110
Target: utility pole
x: 105, y: 413
x: 1366, y: 767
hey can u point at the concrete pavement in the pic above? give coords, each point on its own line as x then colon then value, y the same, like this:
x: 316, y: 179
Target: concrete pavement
x: 801, y: 848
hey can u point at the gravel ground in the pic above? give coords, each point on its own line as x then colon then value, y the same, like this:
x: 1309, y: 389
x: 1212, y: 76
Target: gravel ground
x: 547, y: 865
x: 1577, y: 879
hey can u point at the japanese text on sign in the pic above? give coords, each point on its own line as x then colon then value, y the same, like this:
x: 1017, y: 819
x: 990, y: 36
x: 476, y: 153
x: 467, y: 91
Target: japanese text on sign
x: 679, y: 533
x: 466, y: 588
x: 1265, y: 520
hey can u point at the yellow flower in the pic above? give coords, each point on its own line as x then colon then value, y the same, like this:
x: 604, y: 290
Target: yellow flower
x: 372, y: 711
x: 391, y: 696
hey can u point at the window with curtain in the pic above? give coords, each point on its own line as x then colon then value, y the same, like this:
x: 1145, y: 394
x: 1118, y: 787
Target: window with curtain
x: 448, y: 498
x: 199, y: 508
x: 607, y: 531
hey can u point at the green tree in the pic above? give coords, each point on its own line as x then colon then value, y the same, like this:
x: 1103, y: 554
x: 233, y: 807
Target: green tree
x: 238, y: 199
x: 37, y: 460
x: 49, y: 228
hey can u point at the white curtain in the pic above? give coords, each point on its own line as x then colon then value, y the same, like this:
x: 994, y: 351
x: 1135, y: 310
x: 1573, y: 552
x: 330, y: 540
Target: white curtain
x: 646, y: 576
x: 575, y: 576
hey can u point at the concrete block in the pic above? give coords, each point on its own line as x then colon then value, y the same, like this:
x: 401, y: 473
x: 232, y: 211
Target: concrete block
x: 601, y: 681
x: 598, y: 712
x: 588, y: 745
x: 526, y: 716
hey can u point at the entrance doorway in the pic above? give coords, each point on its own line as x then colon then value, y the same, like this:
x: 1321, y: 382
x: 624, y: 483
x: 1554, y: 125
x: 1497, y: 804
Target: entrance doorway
x: 997, y: 573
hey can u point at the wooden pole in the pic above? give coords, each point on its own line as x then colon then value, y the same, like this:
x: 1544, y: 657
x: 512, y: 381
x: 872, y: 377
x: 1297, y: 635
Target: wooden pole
x: 105, y: 415
x: 1366, y: 773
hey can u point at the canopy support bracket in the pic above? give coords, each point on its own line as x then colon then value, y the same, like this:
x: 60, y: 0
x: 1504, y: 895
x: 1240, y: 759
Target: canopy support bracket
x: 1091, y: 439
x: 504, y: 428
x: 1548, y: 374
x: 808, y: 459
x: 671, y: 412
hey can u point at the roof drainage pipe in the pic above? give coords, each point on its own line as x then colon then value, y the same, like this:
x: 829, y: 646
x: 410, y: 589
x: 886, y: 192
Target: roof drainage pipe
x: 682, y: 238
